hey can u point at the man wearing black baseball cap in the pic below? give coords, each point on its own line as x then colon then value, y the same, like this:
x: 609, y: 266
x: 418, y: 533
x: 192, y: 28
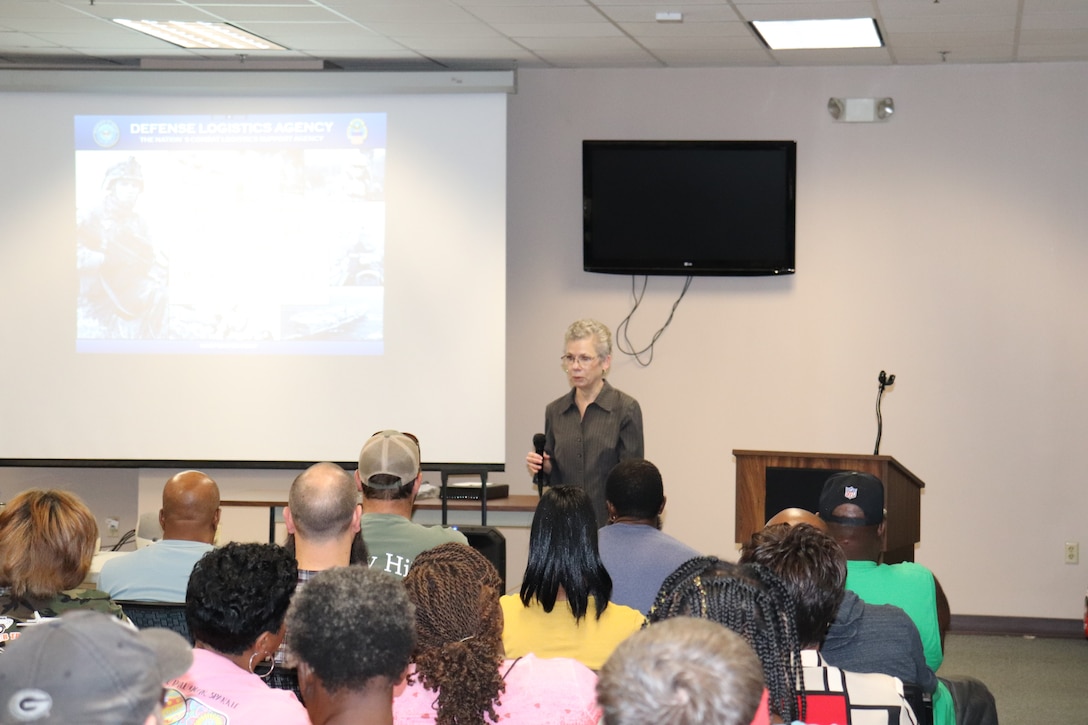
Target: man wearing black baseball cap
x: 89, y: 668
x: 852, y: 504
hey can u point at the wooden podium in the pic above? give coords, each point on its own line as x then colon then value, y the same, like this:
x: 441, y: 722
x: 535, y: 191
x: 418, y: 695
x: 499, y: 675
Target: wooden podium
x: 769, y: 481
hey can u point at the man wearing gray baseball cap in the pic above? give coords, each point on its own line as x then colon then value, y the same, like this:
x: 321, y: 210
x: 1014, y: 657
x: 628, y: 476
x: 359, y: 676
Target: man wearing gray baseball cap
x: 389, y: 477
x: 89, y: 668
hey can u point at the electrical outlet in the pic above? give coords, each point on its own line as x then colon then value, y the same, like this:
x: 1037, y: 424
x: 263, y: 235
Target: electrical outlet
x: 113, y: 526
x: 1072, y: 552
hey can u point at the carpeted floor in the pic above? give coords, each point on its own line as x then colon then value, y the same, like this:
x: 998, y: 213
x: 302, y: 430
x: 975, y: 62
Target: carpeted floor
x: 1035, y: 681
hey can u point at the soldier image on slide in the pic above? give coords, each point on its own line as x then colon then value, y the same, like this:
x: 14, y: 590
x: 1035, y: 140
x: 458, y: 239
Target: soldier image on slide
x: 122, y: 276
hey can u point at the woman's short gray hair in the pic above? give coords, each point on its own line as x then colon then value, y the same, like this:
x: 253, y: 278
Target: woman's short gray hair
x: 681, y: 671
x: 582, y: 329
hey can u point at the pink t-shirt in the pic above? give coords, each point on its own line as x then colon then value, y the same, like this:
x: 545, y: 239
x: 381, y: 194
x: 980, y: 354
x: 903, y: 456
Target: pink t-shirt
x: 215, y: 691
x: 556, y: 691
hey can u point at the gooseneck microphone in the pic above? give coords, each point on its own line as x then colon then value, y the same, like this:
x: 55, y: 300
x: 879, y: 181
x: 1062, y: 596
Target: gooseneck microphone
x: 538, y: 444
x: 885, y: 380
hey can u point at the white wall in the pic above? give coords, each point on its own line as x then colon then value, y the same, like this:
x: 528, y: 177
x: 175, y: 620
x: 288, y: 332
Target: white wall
x: 946, y: 246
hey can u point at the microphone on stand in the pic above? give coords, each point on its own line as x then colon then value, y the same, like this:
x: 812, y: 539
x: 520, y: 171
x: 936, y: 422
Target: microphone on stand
x: 885, y: 380
x: 540, y: 478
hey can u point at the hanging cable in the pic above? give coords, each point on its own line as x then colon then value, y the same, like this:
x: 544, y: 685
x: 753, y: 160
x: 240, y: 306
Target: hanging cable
x: 623, y: 341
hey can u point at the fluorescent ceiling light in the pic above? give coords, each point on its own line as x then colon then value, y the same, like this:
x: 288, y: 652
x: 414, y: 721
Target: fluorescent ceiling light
x: 200, y: 35
x: 813, y: 34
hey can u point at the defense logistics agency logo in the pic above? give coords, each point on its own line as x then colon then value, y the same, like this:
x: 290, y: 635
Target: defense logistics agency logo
x: 106, y: 134
x: 851, y: 492
x: 357, y: 131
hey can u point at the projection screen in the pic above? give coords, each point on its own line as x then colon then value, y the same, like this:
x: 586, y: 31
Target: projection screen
x: 254, y: 278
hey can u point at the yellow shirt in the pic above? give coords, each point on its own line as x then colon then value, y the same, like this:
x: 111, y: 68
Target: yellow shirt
x: 558, y: 634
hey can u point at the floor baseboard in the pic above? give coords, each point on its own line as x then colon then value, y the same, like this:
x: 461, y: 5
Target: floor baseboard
x: 1017, y: 626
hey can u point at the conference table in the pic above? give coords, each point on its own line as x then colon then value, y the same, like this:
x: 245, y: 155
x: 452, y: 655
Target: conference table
x: 515, y: 511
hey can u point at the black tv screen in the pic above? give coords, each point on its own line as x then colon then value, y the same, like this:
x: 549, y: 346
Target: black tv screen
x: 689, y: 207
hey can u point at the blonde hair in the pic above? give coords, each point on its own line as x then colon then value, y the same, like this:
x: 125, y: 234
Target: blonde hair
x: 47, y: 539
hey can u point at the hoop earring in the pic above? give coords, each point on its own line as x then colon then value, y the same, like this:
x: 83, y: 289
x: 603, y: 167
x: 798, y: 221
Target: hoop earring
x: 263, y: 656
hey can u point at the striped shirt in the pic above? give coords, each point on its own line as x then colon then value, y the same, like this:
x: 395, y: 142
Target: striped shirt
x: 584, y: 449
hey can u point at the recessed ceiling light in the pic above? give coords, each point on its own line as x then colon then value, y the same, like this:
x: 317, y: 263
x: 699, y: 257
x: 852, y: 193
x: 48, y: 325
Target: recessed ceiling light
x: 816, y: 34
x: 200, y: 35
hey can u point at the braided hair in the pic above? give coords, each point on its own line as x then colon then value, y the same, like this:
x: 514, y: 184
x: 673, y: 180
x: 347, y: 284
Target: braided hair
x: 753, y: 602
x: 459, y: 632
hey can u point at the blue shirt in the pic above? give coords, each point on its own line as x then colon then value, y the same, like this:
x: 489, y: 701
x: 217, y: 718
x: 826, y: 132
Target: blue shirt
x: 158, y: 572
x: 638, y: 557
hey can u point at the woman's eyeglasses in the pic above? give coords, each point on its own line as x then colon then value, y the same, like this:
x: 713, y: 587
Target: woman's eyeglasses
x: 583, y: 360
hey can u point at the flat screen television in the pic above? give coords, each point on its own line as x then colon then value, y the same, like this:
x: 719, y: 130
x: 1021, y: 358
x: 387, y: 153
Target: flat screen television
x: 689, y: 207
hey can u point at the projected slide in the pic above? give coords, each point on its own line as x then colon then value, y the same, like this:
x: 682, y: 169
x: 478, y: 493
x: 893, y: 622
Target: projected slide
x: 258, y: 234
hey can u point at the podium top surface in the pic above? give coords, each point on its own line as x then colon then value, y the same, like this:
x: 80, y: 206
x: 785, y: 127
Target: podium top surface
x: 832, y: 460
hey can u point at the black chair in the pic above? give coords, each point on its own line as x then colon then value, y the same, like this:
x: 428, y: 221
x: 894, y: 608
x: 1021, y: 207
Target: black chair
x: 975, y: 704
x: 284, y: 678
x: 167, y: 615
x: 920, y: 702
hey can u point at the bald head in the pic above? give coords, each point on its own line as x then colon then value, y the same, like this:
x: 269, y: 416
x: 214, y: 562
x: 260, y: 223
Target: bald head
x: 794, y: 516
x: 322, y: 502
x: 190, y: 507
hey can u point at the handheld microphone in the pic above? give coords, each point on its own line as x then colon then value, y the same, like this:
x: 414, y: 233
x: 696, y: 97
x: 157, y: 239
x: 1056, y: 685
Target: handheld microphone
x: 538, y: 444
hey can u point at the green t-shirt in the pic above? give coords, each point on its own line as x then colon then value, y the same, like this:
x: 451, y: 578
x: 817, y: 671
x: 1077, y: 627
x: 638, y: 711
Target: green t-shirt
x: 910, y: 587
x: 394, y: 542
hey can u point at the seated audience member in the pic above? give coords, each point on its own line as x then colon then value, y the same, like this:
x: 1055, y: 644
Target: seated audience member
x: 235, y: 605
x: 47, y: 540
x: 459, y: 673
x: 852, y: 506
x: 683, y: 671
x: 565, y: 608
x: 813, y: 568
x: 160, y: 572
x: 636, y: 553
x: 88, y: 668
x: 389, y: 477
x: 793, y: 516
x: 751, y: 601
x: 322, y: 521
x: 866, y: 637
x: 352, y: 630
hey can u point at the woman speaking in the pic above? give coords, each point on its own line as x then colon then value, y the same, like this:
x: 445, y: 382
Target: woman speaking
x: 594, y: 426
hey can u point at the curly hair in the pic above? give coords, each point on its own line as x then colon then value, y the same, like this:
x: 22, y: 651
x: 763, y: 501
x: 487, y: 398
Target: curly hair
x: 563, y: 553
x: 239, y: 592
x: 813, y: 567
x: 456, y: 591
x: 753, y: 602
x: 351, y: 625
x: 48, y: 540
